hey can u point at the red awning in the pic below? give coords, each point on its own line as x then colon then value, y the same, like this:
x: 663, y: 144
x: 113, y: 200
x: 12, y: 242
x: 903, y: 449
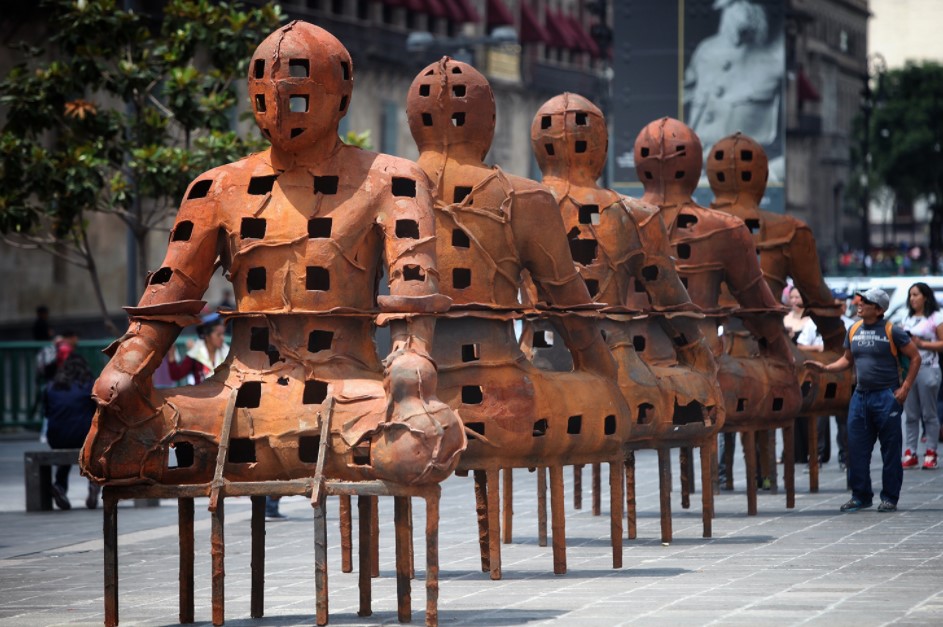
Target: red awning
x: 435, y: 8
x: 531, y: 30
x: 464, y: 9
x: 498, y: 14
x: 807, y: 90
x: 560, y: 35
x: 587, y: 43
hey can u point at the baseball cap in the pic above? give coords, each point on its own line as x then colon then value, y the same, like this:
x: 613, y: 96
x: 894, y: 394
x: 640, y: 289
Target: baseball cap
x: 839, y: 293
x: 876, y: 296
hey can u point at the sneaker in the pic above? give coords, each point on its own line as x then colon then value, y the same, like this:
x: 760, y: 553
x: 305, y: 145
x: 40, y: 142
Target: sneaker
x: 929, y: 460
x: 61, y: 500
x: 275, y: 516
x: 887, y: 506
x: 853, y: 505
x: 909, y: 460
x: 91, y: 501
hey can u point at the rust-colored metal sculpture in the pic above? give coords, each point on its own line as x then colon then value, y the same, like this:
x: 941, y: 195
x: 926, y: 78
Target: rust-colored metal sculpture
x: 491, y: 226
x: 712, y: 249
x: 620, y: 245
x: 300, y: 230
x: 737, y: 169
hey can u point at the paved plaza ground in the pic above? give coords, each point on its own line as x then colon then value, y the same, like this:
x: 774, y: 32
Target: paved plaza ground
x: 811, y: 565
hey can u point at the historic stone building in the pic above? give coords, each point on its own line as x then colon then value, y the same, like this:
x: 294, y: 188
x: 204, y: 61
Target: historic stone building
x: 826, y: 58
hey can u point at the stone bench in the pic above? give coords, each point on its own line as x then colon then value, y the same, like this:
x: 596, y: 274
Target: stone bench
x: 37, y: 473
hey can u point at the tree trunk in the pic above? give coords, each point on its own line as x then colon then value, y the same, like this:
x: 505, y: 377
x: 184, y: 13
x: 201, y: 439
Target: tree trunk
x: 96, y: 285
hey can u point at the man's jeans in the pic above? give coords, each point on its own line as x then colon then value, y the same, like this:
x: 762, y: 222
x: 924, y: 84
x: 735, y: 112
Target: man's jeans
x: 874, y: 415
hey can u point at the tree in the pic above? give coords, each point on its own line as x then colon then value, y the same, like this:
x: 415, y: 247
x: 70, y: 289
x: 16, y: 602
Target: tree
x: 117, y: 116
x: 905, y: 141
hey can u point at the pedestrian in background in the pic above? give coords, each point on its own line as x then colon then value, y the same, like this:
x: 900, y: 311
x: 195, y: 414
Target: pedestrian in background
x: 872, y: 347
x: 924, y: 324
x: 69, y: 411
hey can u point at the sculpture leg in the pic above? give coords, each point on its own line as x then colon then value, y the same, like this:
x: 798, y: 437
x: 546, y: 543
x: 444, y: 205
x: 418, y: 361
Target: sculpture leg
x: 110, y: 527
x: 403, y: 559
x: 541, y: 506
x: 218, y: 552
x: 432, y: 556
x: 683, y: 461
x: 578, y: 486
x: 365, y: 553
x: 320, y: 559
x: 558, y: 524
x: 616, y: 478
x: 508, y: 503
x: 597, y: 488
x: 664, y: 489
x: 707, y: 485
x: 185, y: 531
x: 748, y: 438
x: 481, y: 509
x: 813, y: 454
x: 773, y: 467
x: 257, y: 562
x: 346, y: 524
x: 494, y: 523
x: 789, y: 466
x: 630, y: 495
x: 374, y: 536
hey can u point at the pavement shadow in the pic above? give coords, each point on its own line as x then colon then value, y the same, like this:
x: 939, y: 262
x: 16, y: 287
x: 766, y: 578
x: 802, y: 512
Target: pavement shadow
x: 446, y: 616
x: 574, y: 573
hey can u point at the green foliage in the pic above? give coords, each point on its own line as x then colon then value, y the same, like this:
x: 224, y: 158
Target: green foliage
x: 360, y: 140
x: 122, y: 110
x: 904, y: 134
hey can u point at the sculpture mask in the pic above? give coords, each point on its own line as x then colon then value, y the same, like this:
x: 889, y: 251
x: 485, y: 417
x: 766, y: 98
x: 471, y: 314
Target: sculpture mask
x: 569, y: 137
x: 737, y: 165
x: 452, y: 95
x: 668, y: 155
x: 300, y: 81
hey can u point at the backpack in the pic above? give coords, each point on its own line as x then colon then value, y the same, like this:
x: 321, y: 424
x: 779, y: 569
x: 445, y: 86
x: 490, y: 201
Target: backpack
x: 903, y: 362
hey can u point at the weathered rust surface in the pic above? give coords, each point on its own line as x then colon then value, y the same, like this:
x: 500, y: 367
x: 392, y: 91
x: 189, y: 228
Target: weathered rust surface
x: 713, y: 248
x: 300, y: 230
x: 491, y: 226
x: 621, y: 250
x: 737, y: 169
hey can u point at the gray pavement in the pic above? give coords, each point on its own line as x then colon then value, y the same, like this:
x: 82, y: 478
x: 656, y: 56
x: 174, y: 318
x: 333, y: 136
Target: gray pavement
x: 811, y: 565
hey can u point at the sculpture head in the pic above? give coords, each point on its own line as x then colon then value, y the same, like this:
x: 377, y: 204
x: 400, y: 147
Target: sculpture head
x: 450, y: 106
x: 737, y: 166
x: 668, y: 158
x: 569, y: 138
x: 300, y: 81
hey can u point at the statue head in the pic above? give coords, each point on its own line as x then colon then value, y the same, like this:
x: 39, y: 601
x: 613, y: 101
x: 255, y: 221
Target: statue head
x: 668, y: 158
x: 300, y: 81
x: 737, y: 165
x: 569, y: 138
x: 450, y: 105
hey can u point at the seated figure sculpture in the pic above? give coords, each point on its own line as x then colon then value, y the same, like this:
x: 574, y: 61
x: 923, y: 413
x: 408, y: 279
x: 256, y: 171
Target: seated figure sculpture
x: 490, y: 227
x: 714, y: 249
x: 620, y: 246
x: 737, y: 169
x: 300, y: 230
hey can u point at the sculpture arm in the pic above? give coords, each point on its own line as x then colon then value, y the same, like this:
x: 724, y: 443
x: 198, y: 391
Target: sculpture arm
x: 806, y: 274
x: 170, y: 299
x: 745, y: 280
x: 541, y: 238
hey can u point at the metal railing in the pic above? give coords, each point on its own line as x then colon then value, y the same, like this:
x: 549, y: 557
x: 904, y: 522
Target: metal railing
x: 21, y: 384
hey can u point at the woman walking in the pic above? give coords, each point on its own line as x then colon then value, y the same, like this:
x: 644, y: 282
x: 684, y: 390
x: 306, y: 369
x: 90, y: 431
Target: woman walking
x: 925, y: 325
x: 69, y: 411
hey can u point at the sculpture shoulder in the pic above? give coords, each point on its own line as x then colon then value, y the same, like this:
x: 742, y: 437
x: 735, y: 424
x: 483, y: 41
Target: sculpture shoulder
x: 534, y: 192
x: 213, y: 182
x: 782, y: 226
x: 386, y: 165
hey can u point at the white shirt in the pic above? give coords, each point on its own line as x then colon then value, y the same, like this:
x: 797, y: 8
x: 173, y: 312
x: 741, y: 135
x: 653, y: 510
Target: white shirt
x: 925, y: 329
